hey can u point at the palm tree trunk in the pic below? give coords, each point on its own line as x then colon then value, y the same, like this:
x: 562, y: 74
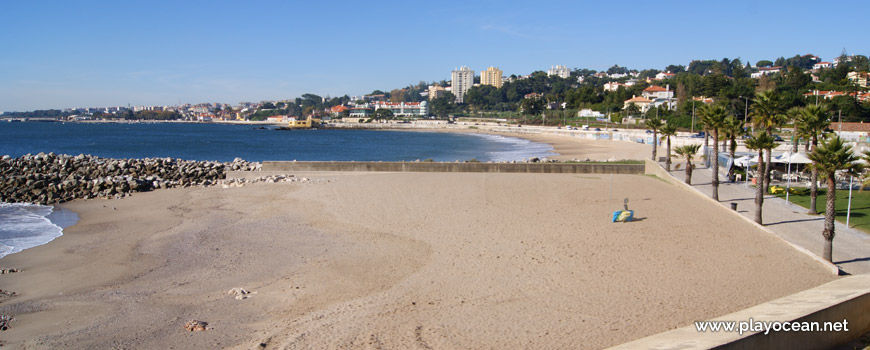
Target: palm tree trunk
x: 706, y: 149
x: 715, y: 166
x: 759, y: 192
x: 655, y: 143
x: 689, y: 170
x: 814, y: 191
x: 765, y: 176
x: 731, y: 150
x: 668, y: 160
x: 814, y: 179
x: 828, y: 232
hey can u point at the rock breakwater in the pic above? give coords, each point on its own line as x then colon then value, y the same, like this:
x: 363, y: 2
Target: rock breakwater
x: 50, y: 179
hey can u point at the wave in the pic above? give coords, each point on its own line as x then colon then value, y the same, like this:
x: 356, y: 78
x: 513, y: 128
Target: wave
x: 24, y: 226
x: 515, y: 149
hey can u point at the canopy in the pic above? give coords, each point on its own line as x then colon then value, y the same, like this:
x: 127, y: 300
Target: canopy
x: 746, y: 161
x: 793, y: 158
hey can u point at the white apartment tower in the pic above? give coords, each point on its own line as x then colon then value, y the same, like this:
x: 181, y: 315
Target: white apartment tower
x: 461, y: 80
x: 561, y: 71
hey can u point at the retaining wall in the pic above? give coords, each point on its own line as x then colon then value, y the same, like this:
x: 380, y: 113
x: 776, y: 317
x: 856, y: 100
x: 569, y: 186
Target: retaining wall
x: 846, y: 298
x: 583, y: 168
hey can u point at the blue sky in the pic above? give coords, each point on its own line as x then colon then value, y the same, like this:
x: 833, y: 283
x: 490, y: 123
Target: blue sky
x: 61, y: 54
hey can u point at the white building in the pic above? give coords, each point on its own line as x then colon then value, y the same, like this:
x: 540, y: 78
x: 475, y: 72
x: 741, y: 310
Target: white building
x: 461, y: 80
x: 404, y: 109
x: 561, y: 71
x: 654, y: 92
x: 612, y: 86
x: 822, y: 65
x: 399, y: 109
x: 765, y: 71
x: 588, y: 113
x: 664, y: 75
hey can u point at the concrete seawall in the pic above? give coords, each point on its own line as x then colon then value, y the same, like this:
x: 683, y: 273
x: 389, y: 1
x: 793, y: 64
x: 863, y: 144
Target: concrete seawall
x: 847, y: 299
x: 555, y: 168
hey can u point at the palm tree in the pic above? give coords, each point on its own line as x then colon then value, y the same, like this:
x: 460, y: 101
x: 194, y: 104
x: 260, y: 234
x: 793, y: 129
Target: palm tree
x: 654, y: 124
x: 767, y: 115
x: 828, y: 158
x: 733, y: 128
x: 813, y: 122
x: 688, y: 151
x: 761, y: 141
x: 668, y: 130
x: 713, y: 118
x: 794, y: 116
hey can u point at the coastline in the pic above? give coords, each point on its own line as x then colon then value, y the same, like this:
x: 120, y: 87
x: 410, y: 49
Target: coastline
x: 566, y: 147
x: 526, y: 260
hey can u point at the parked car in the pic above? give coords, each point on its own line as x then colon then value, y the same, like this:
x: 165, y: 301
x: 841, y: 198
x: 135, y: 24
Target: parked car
x: 699, y: 135
x: 777, y: 138
x: 597, y: 129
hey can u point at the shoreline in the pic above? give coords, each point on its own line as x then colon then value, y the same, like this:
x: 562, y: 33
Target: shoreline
x: 566, y: 147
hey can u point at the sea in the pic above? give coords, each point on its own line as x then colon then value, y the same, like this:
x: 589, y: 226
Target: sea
x: 24, y: 226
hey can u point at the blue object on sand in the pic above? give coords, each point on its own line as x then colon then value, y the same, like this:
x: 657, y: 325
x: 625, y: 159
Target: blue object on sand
x: 623, y: 215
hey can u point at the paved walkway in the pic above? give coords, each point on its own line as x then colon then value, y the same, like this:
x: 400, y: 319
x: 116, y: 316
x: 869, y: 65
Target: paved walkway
x: 790, y: 221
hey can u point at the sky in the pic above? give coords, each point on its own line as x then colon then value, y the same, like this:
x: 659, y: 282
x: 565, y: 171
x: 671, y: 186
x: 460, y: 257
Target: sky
x: 67, y: 54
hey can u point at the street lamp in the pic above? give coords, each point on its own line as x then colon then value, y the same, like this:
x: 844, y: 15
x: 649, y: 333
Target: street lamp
x: 693, y: 115
x: 746, y: 110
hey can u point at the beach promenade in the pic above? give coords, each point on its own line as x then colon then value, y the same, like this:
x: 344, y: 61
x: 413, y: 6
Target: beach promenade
x: 790, y: 221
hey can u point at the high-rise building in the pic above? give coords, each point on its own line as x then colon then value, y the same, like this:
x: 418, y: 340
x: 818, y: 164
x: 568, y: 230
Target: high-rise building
x: 491, y: 76
x: 561, y: 71
x: 461, y: 80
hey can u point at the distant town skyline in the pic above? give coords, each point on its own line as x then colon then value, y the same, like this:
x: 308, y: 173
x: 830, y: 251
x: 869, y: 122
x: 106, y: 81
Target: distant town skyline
x: 58, y: 54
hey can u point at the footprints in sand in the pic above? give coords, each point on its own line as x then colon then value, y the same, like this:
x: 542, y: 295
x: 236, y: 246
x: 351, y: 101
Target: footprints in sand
x: 4, y: 294
x: 418, y: 336
x: 6, y: 320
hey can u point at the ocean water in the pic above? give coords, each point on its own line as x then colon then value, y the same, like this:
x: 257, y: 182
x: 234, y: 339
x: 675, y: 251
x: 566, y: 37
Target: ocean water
x: 24, y: 226
x: 223, y: 142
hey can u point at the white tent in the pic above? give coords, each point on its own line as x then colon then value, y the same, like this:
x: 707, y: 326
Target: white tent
x: 793, y: 158
x: 746, y: 161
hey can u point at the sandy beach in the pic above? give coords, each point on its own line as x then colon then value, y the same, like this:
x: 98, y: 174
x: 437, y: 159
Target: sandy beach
x: 395, y: 260
x: 567, y: 148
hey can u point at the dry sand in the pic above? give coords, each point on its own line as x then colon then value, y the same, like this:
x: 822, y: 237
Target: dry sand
x: 569, y: 148
x: 396, y: 261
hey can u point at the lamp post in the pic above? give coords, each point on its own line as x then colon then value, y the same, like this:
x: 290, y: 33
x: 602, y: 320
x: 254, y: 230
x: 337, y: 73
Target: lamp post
x: 693, y: 115
x: 745, y: 110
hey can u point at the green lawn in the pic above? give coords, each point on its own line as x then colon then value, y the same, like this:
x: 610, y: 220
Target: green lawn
x: 860, y: 217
